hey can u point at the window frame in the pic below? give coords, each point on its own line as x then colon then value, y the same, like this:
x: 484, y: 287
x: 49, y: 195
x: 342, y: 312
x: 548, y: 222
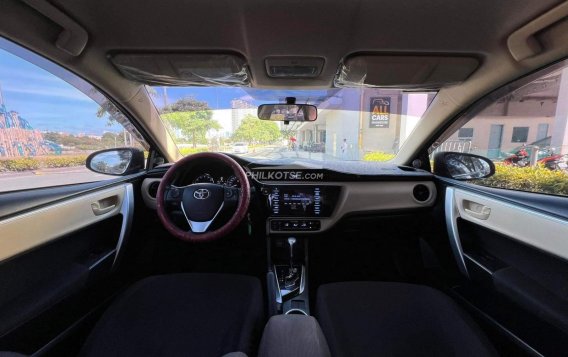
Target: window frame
x: 515, y: 133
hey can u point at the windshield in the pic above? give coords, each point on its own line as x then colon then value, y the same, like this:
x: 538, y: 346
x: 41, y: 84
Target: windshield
x: 353, y: 124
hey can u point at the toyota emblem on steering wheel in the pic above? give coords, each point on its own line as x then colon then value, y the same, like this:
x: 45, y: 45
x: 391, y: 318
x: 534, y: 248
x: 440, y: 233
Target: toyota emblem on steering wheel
x: 201, y: 194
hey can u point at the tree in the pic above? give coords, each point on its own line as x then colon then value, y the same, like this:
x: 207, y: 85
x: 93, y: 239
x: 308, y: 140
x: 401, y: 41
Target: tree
x: 187, y: 104
x: 254, y: 130
x: 192, y: 125
x: 291, y: 129
x: 109, y: 111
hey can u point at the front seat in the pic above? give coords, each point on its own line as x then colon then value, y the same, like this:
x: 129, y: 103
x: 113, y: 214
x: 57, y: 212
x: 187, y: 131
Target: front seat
x: 396, y: 319
x: 181, y: 315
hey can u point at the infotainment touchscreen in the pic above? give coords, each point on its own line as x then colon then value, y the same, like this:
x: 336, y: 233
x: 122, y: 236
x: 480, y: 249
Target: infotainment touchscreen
x: 302, y: 201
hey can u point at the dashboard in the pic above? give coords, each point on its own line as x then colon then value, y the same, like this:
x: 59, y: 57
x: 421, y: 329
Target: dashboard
x: 291, y: 203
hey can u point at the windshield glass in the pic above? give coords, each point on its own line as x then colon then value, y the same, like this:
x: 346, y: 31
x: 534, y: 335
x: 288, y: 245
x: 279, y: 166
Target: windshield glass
x: 353, y: 124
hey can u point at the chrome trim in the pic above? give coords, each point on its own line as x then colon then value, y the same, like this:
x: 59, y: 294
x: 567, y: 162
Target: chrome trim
x: 201, y: 194
x: 452, y: 213
x: 127, y: 212
x: 302, y: 280
x: 294, y: 310
x: 200, y: 227
x: 103, y: 258
x: 279, y: 296
x: 478, y: 264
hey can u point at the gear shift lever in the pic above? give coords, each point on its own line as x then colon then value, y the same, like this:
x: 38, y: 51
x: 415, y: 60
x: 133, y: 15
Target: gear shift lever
x: 291, y: 242
x: 291, y: 279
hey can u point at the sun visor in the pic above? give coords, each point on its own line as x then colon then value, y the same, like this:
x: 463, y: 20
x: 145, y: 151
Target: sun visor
x: 184, y: 69
x: 404, y: 71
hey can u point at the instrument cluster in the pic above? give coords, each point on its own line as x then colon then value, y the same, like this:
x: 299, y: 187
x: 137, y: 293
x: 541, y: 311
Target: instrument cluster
x: 229, y: 181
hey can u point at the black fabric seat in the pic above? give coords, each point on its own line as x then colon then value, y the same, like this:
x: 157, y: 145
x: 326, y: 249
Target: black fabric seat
x: 181, y: 315
x: 395, y: 319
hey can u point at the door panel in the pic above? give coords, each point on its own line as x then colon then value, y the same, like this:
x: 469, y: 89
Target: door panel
x: 40, y: 226
x: 515, y: 261
x: 56, y: 252
x: 549, y: 234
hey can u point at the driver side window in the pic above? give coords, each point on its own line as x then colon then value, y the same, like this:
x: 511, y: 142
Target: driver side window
x: 524, y: 132
x: 50, y: 121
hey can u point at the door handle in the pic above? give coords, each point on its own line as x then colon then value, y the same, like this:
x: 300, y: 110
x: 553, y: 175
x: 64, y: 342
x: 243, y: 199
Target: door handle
x: 476, y: 210
x: 105, y: 205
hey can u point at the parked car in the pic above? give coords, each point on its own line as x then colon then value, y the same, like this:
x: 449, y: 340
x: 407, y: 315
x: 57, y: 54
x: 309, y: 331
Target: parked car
x: 240, y: 148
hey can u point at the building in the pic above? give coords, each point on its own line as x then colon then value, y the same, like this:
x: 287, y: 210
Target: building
x: 533, y: 115
x: 366, y: 120
x: 374, y: 119
x: 239, y: 109
x: 19, y: 138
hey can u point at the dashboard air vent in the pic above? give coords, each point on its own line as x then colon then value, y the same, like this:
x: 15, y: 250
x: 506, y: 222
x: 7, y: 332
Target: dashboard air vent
x: 153, y: 189
x: 421, y: 193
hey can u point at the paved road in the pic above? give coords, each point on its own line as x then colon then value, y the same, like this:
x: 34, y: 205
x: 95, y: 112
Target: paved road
x: 12, y: 181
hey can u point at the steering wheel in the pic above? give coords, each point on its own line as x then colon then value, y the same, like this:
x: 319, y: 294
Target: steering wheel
x: 201, y: 203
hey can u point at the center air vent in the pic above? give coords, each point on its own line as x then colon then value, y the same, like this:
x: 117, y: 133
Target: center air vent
x: 153, y: 189
x: 421, y: 193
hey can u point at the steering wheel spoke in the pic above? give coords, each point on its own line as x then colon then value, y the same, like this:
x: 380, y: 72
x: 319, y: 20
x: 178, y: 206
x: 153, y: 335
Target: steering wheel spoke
x: 173, y: 196
x: 232, y: 196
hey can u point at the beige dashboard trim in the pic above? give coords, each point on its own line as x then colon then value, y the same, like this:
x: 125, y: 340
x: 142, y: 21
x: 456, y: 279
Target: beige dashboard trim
x: 31, y: 229
x: 360, y: 197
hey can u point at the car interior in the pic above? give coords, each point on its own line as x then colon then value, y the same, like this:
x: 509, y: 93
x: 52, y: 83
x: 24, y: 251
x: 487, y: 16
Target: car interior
x: 220, y: 253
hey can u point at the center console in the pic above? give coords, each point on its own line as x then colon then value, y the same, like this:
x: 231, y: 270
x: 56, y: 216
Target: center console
x: 288, y: 272
x: 298, y: 208
x: 294, y: 210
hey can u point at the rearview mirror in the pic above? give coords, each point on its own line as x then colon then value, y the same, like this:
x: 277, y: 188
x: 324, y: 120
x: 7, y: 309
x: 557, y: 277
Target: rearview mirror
x: 288, y: 112
x: 462, y: 166
x: 117, y: 162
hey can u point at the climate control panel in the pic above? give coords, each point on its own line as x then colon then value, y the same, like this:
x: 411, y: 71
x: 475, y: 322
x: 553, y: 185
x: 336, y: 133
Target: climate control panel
x: 284, y: 225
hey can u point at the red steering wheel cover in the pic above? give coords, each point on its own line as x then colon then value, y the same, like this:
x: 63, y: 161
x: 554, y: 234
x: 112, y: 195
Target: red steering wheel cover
x: 242, y: 206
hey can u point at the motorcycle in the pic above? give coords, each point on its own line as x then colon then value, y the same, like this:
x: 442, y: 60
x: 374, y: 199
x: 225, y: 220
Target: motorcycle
x: 519, y: 159
x: 553, y: 162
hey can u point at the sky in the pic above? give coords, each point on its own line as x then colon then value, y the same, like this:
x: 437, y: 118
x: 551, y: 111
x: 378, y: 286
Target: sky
x: 46, y: 101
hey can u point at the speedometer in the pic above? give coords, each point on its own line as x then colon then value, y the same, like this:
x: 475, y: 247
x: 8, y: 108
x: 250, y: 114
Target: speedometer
x: 204, y: 178
x: 233, y: 181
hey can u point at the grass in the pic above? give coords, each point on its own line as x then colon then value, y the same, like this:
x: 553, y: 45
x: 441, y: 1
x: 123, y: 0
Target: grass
x: 533, y: 179
x: 379, y: 156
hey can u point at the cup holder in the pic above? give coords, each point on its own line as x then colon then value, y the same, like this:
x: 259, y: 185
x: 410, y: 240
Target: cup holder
x: 296, y: 312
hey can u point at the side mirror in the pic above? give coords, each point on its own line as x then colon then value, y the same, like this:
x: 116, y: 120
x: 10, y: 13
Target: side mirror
x: 117, y: 162
x: 461, y: 166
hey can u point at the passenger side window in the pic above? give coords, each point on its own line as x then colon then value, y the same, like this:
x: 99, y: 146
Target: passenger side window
x: 50, y: 121
x: 524, y: 130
